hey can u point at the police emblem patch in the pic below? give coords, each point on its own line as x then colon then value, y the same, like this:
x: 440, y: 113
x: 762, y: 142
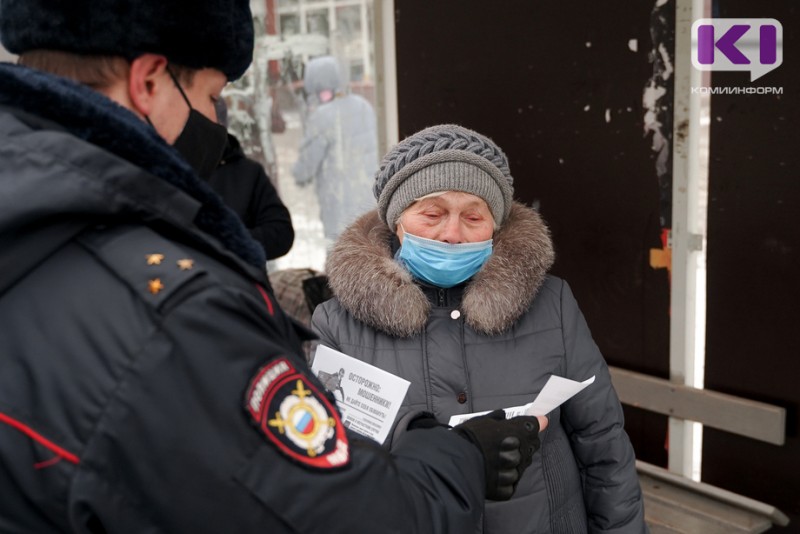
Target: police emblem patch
x: 295, y: 417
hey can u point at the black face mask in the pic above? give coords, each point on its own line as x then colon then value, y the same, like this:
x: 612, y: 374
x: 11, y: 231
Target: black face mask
x: 202, y: 141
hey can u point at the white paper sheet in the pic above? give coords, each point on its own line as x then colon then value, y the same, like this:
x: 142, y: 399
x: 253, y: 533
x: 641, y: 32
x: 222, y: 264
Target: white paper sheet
x: 368, y: 398
x: 555, y: 392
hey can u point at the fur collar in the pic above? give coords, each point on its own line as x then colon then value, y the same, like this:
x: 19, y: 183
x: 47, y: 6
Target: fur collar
x: 377, y: 291
x: 98, y: 120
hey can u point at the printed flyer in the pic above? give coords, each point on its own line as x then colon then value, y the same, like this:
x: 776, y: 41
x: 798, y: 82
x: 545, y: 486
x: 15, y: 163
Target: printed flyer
x: 368, y: 398
x: 556, y: 391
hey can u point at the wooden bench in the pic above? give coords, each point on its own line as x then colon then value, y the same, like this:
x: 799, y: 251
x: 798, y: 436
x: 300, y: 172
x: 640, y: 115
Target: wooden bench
x: 673, y: 503
x: 676, y: 504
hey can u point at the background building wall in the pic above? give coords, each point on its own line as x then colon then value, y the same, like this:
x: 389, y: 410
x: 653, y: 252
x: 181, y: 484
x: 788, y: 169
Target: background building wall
x: 752, y: 345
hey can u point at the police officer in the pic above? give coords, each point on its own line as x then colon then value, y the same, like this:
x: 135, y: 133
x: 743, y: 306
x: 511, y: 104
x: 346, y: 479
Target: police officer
x: 148, y: 381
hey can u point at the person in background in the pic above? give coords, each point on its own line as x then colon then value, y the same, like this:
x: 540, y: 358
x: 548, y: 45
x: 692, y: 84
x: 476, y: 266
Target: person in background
x: 446, y: 285
x: 248, y: 191
x: 339, y: 151
x: 148, y: 380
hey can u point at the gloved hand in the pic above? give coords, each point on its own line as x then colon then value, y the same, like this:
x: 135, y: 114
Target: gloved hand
x: 507, y: 446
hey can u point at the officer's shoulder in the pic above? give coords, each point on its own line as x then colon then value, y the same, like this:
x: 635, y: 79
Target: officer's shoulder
x: 153, y: 266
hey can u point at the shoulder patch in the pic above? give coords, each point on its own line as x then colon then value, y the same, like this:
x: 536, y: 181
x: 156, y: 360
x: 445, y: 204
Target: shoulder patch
x: 296, y: 417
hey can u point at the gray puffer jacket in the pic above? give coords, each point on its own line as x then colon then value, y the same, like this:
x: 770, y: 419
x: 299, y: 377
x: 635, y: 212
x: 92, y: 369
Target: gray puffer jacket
x: 493, y: 343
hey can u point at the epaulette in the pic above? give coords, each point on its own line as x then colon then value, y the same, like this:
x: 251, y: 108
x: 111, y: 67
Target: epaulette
x: 152, y: 265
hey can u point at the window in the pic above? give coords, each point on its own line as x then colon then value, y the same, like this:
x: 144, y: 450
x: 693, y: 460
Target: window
x: 314, y: 130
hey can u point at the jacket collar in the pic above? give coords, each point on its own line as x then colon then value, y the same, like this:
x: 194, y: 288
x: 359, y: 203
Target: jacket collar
x: 92, y: 117
x: 378, y: 291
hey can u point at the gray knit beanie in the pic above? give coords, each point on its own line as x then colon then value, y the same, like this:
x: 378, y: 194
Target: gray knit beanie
x: 447, y: 157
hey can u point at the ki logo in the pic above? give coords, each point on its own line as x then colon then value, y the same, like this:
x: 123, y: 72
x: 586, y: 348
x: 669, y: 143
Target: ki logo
x: 754, y: 45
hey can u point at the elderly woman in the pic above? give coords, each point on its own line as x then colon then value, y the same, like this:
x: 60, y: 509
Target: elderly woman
x: 446, y: 285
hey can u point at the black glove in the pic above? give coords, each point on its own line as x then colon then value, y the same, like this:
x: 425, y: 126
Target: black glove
x: 507, y: 446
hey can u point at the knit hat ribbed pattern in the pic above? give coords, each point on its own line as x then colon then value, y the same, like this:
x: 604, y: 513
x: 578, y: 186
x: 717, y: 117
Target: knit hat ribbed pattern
x: 443, y: 158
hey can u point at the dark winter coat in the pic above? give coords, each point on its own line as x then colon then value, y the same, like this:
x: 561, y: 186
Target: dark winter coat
x: 489, y: 344
x: 144, y: 365
x: 247, y: 190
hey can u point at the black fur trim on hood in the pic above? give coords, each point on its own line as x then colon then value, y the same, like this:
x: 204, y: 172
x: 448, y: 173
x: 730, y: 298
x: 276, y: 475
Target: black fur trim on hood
x: 98, y: 120
x: 378, y: 291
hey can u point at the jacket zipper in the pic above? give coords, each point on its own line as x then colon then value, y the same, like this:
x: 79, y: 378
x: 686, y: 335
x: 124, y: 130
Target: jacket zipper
x: 470, y: 405
x: 426, y: 371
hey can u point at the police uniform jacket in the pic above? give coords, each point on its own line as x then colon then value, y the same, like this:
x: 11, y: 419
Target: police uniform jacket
x: 493, y: 343
x: 148, y: 381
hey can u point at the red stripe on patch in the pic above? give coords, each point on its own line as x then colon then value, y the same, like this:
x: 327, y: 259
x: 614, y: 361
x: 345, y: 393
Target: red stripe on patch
x: 35, y: 436
x: 270, y: 309
x: 254, y: 398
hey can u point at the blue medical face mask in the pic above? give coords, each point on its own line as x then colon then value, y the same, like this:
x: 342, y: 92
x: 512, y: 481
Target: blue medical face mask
x: 442, y: 264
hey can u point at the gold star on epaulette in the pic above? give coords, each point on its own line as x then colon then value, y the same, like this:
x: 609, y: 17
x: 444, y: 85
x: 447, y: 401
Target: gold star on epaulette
x: 185, y: 264
x: 155, y: 286
x: 154, y: 259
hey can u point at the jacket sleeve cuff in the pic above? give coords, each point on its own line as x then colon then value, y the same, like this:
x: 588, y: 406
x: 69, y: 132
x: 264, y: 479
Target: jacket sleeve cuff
x: 412, y: 420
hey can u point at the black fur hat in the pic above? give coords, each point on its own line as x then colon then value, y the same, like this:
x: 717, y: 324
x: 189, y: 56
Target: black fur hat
x: 192, y: 33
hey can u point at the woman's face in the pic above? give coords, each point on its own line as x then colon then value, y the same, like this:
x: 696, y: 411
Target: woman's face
x: 453, y: 217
